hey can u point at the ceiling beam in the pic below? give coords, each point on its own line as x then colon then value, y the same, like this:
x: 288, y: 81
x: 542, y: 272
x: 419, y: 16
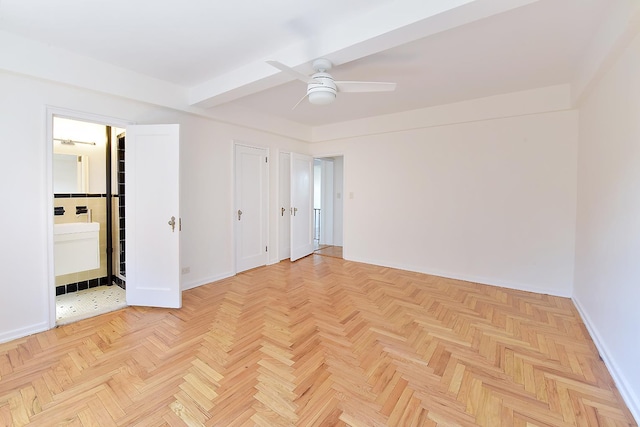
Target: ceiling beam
x: 383, y: 28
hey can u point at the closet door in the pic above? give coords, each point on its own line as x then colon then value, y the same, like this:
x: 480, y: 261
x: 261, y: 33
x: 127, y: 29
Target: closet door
x: 250, y: 215
x: 301, y: 206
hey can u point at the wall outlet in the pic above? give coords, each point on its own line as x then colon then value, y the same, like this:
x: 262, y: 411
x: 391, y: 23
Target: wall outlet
x: 186, y: 270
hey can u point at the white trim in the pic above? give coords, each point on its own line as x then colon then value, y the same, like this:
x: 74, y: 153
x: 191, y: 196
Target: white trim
x: 206, y: 281
x: 51, y: 277
x: 495, y: 107
x: 232, y: 204
x: 626, y: 391
x: 327, y: 212
x: 23, y: 332
x: 50, y: 112
x: 326, y: 155
x: 467, y: 278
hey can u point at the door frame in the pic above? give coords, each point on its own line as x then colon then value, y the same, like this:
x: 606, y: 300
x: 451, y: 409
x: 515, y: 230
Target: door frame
x: 326, y: 198
x: 344, y: 194
x: 52, y: 111
x: 267, y: 216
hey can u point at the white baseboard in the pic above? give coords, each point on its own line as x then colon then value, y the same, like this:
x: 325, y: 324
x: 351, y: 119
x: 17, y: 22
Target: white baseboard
x: 628, y: 395
x: 470, y: 278
x: 195, y: 284
x: 23, y: 332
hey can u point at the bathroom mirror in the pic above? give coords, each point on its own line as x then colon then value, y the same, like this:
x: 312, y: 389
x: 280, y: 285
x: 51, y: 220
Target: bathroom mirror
x: 70, y: 173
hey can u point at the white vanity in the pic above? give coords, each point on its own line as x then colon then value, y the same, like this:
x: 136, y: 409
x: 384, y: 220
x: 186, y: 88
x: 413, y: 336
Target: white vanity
x: 76, y: 247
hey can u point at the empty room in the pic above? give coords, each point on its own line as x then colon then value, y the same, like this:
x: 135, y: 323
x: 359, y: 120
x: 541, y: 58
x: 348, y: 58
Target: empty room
x: 363, y: 213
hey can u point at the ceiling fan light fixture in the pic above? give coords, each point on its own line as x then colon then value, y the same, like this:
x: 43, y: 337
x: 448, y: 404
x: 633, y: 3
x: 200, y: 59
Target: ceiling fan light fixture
x: 321, y: 97
x: 322, y: 89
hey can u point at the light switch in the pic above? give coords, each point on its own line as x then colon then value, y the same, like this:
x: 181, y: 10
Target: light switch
x: 351, y: 195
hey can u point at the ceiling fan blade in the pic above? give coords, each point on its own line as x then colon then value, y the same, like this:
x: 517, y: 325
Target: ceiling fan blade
x: 365, y: 86
x: 301, y: 99
x: 290, y: 71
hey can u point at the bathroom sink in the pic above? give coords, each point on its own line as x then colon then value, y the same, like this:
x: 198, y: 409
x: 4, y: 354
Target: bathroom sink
x: 76, y: 247
x: 76, y: 227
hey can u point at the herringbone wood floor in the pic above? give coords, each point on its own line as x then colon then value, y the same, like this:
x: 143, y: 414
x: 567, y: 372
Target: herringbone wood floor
x: 319, y: 342
x: 334, y: 251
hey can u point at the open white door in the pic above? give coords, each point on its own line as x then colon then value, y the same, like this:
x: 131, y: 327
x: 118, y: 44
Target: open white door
x: 284, y: 211
x: 251, y: 194
x: 153, y: 216
x: 301, y: 206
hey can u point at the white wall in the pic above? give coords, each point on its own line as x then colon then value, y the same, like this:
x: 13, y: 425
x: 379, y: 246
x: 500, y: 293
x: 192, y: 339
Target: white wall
x: 491, y: 201
x: 206, y: 191
x: 607, y: 265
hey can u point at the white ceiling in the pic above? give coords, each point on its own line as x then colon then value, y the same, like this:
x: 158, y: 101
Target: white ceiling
x: 438, y: 51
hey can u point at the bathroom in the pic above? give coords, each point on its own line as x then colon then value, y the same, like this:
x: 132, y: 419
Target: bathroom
x: 89, y: 250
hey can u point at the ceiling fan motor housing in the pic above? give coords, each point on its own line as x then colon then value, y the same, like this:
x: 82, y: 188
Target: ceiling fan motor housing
x: 322, y: 89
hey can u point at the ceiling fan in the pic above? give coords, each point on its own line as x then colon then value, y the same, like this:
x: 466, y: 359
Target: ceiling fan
x: 322, y: 88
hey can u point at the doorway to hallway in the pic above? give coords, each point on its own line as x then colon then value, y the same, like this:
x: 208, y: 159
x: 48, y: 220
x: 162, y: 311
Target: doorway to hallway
x: 328, y: 206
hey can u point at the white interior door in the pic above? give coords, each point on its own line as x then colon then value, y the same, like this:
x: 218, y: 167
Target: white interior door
x: 153, y: 216
x: 301, y: 206
x: 251, y: 207
x: 284, y: 215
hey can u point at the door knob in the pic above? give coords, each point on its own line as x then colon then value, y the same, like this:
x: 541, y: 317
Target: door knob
x: 172, y: 223
x: 239, y: 214
x: 282, y: 211
x: 294, y: 211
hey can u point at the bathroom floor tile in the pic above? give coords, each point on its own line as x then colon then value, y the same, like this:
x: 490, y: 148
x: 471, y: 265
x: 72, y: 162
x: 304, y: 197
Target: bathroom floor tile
x: 88, y: 303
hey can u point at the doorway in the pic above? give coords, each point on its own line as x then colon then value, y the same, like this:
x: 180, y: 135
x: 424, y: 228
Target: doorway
x: 86, y: 216
x: 328, y: 206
